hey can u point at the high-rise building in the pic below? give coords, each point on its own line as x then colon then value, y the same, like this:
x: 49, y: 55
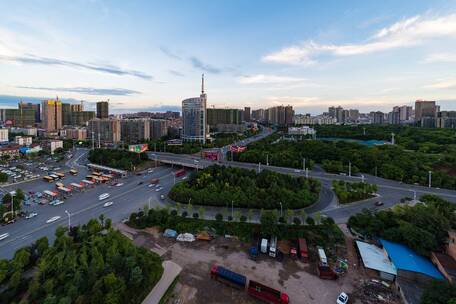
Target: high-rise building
x: 133, y: 131
x: 17, y: 117
x: 339, y: 114
x: 77, y: 107
x: 104, y: 130
x: 76, y: 133
x: 158, y: 128
x: 247, y: 114
x: 446, y: 119
x: 258, y: 115
x: 102, y: 109
x: 424, y: 108
x: 378, y: 117
x: 353, y: 115
x: 405, y: 112
x: 394, y: 117
x: 194, y: 117
x: 66, y: 114
x: 31, y: 106
x: 332, y: 112
x: 4, y: 135
x: 52, y: 115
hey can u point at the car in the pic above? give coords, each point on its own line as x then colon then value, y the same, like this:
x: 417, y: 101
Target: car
x: 162, y: 197
x: 158, y: 189
x: 150, y: 185
x: 342, y: 298
x: 31, y: 215
x: 58, y: 202
x: 53, y: 219
x: 379, y: 203
x: 119, y: 184
x: 140, y: 183
x: 297, y: 171
x: 107, y: 204
x: 185, y: 177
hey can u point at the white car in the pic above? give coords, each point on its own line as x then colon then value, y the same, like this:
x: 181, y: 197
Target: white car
x: 158, y: 189
x: 185, y: 177
x: 342, y: 298
x: 4, y: 236
x: 31, y: 215
x: 103, y: 196
x: 119, y: 185
x: 150, y: 185
x: 296, y: 171
x: 107, y: 204
x: 58, y: 202
x: 53, y: 219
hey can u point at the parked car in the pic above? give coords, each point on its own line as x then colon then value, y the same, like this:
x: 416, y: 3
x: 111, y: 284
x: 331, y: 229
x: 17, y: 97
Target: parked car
x: 342, y: 298
x: 31, y: 215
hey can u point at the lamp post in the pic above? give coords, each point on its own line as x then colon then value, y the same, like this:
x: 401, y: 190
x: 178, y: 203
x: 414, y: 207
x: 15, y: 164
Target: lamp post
x: 150, y: 198
x: 259, y: 167
x: 69, y: 219
x: 12, y: 204
x: 349, y: 168
x: 232, y: 210
x: 267, y: 159
x: 362, y: 178
x: 304, y: 164
x: 281, y: 209
x: 430, y: 179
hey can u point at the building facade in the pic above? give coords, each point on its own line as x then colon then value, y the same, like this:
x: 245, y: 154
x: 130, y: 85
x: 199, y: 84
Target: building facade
x: 52, y: 115
x: 104, y: 130
x: 194, y: 117
x: 102, y: 109
x: 17, y: 117
x: 80, y: 118
x: 424, y: 108
x: 31, y: 106
x: 158, y: 128
x: 134, y: 131
x: 4, y: 138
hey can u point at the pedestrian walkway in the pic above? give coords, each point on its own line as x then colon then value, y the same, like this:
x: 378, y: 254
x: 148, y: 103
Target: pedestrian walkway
x: 170, y: 271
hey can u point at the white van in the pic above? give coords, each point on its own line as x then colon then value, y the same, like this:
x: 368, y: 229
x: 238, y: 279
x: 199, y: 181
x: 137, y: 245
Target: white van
x: 273, y: 247
x: 264, y: 245
x: 103, y: 196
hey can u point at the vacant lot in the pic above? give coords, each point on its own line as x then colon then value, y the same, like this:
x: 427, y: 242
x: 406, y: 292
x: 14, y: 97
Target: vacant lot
x: 295, y: 278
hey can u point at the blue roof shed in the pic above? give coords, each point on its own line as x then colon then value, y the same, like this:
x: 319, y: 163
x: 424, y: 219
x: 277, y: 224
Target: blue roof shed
x: 406, y: 259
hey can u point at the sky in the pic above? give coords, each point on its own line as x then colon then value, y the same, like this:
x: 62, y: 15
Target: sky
x: 149, y: 55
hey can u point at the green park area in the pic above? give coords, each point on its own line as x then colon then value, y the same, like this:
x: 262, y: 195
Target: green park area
x: 226, y: 187
x: 90, y: 264
x: 351, y: 192
x: 417, y: 152
x: 117, y: 158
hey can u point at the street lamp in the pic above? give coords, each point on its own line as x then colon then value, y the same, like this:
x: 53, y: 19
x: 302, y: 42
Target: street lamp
x: 304, y: 164
x: 430, y: 179
x: 150, y: 198
x: 232, y: 211
x: 349, y: 168
x: 362, y: 178
x: 280, y: 209
x: 69, y: 219
x: 267, y: 159
x: 12, y: 203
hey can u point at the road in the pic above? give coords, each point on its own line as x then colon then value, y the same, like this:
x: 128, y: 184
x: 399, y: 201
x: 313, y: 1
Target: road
x: 391, y: 192
x: 82, y: 206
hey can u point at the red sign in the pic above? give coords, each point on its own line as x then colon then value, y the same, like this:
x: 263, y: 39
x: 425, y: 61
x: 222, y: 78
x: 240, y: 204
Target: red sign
x: 237, y: 149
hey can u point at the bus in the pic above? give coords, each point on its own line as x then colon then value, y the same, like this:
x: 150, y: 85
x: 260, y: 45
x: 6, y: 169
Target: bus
x: 96, y: 173
x: 73, y: 172
x: 58, y: 184
x: 48, y: 179
x: 55, y: 177
x: 60, y: 174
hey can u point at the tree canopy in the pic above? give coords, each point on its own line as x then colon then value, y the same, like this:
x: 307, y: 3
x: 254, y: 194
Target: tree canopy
x: 226, y: 186
x: 116, y: 158
x: 91, y: 264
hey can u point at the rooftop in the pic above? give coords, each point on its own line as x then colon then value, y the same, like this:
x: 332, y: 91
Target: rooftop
x: 406, y: 259
x: 375, y: 258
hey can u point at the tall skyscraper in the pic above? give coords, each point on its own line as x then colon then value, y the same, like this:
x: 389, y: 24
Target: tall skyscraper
x: 194, y: 117
x: 52, y: 115
x: 102, y: 109
x: 104, y: 130
x: 424, y: 108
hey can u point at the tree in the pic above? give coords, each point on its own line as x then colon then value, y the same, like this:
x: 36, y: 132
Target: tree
x: 201, y: 212
x: 297, y: 221
x: 439, y: 293
x: 3, y: 177
x: 195, y: 215
x: 243, y: 219
x: 268, y: 221
x: 219, y: 217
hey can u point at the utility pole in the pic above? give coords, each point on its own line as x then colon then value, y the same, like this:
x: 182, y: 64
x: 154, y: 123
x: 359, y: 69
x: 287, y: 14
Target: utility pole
x: 349, y: 168
x: 304, y: 163
x: 362, y: 178
x: 392, y: 139
x: 267, y: 159
x: 12, y: 204
x: 259, y: 167
x: 150, y: 198
x: 430, y: 179
x: 281, y: 209
x: 364, y: 131
x: 307, y: 172
x: 232, y: 210
x: 69, y: 219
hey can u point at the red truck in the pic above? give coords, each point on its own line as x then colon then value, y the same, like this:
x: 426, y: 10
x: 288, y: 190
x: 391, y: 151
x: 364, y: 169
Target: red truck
x: 254, y: 289
x: 179, y: 173
x: 303, y: 251
x: 267, y: 294
x: 323, y: 269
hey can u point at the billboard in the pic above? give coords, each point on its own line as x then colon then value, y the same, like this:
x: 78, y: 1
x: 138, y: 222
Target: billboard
x: 138, y: 148
x: 237, y: 149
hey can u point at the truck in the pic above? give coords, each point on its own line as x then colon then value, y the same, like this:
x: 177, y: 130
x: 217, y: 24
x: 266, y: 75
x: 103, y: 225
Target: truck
x: 253, y: 252
x: 303, y: 251
x: 264, y: 246
x: 253, y: 288
x: 266, y: 293
x: 229, y: 277
x: 293, y: 249
x: 324, y: 271
x: 273, y: 247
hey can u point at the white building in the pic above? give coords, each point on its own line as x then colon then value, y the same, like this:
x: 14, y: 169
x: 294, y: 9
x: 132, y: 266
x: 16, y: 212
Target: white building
x: 23, y: 140
x: 55, y: 144
x: 4, y: 136
x: 194, y: 117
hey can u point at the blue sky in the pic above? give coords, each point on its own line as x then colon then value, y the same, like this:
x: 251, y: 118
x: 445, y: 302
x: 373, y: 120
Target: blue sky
x: 149, y: 55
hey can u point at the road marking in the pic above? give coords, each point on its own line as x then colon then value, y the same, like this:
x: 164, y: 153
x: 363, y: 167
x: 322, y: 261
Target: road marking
x: 63, y: 219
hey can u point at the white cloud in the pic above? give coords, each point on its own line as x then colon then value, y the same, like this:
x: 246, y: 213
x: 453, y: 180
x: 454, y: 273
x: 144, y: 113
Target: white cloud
x: 409, y: 32
x: 270, y: 79
x: 440, y: 57
x: 443, y: 84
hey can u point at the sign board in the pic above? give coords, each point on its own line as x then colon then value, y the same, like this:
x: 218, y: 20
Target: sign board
x: 237, y: 149
x: 138, y: 148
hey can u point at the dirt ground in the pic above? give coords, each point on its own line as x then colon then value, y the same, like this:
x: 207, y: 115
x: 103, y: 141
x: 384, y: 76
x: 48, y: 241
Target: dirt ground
x: 297, y: 279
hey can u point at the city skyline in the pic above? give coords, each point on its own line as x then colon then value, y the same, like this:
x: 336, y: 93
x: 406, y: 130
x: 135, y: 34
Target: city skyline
x: 135, y: 56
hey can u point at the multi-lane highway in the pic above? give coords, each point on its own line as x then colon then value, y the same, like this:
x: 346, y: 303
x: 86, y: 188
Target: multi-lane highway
x: 83, y: 206
x: 390, y: 191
